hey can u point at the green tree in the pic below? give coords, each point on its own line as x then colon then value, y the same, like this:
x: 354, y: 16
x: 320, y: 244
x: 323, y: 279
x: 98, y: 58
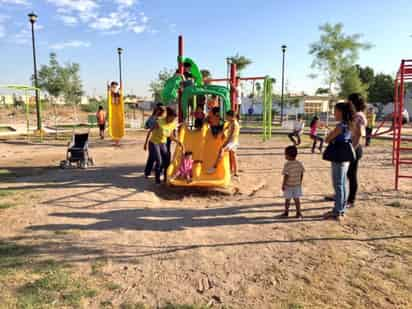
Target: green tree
x: 61, y: 80
x: 350, y: 82
x: 73, y: 89
x: 156, y: 86
x: 322, y: 91
x: 381, y: 89
x: 241, y: 62
x: 334, y: 52
x: 50, y: 77
x: 366, y: 74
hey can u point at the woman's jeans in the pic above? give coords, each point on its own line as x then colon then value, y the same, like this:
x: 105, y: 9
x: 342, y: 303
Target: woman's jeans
x: 159, y: 155
x: 339, y: 171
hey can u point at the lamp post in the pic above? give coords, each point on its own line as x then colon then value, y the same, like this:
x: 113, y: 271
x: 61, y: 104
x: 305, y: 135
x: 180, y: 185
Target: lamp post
x: 228, y: 61
x: 283, y: 83
x: 33, y: 19
x: 120, y: 51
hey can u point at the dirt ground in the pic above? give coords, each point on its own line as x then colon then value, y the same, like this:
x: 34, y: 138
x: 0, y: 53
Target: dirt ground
x: 139, y: 245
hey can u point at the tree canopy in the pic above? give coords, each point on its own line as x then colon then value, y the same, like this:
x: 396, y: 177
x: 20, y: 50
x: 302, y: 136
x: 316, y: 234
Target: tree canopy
x: 335, y: 52
x: 59, y: 80
x: 206, y: 74
x: 157, y: 85
x: 382, y: 89
x: 350, y: 82
x: 241, y: 62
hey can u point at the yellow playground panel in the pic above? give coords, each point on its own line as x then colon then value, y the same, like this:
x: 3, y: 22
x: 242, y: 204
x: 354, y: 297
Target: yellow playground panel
x: 205, y: 148
x: 116, y: 115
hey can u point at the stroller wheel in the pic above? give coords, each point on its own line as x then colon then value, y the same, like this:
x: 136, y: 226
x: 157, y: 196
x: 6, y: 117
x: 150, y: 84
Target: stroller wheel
x: 64, y: 164
x: 83, y: 164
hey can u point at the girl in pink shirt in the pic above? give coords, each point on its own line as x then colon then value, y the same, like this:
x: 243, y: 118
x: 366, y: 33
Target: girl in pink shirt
x: 185, y: 170
x: 314, y: 134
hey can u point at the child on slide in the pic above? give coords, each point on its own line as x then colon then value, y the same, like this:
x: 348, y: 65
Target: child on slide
x: 199, y: 116
x: 230, y: 145
x: 214, y: 121
x: 185, y: 170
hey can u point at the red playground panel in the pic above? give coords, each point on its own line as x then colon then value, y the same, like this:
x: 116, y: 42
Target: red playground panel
x: 399, y: 152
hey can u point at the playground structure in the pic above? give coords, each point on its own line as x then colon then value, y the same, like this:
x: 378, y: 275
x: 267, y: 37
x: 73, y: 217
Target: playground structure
x: 115, y: 104
x: 203, y: 145
x: 26, y: 90
x: 403, y: 76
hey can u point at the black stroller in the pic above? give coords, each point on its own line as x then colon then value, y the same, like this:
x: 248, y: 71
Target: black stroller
x: 78, y: 152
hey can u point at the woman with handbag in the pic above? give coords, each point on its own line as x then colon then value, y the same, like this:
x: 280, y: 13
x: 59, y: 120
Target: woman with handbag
x: 340, y: 152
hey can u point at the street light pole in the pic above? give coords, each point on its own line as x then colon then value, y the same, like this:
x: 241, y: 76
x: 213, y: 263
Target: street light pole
x: 283, y: 83
x: 120, y: 51
x: 228, y: 61
x: 33, y: 19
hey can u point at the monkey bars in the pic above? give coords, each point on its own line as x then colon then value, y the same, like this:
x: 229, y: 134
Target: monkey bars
x: 404, y: 75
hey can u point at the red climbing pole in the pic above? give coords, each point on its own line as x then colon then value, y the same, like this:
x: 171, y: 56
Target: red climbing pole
x: 399, y: 151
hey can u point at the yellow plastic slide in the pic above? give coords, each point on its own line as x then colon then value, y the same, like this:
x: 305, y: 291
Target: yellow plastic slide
x: 205, y: 148
x: 116, y: 115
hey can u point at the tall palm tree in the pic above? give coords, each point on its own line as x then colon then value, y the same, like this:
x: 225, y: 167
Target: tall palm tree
x: 241, y: 61
x: 206, y: 74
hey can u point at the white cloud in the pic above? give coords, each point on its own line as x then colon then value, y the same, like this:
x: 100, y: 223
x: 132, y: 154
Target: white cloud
x: 126, y: 2
x: 138, y: 28
x: 23, y: 37
x: 92, y: 14
x: 17, y: 2
x: 2, y: 31
x: 69, y: 20
x: 75, y: 5
x: 70, y: 44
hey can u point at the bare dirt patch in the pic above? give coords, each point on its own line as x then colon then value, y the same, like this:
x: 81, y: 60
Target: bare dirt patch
x: 127, y: 243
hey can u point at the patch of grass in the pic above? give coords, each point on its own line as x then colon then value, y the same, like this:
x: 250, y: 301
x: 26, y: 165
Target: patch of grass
x: 12, y: 257
x: 295, y: 306
x: 97, y: 267
x: 61, y: 232
x: 6, y: 205
x: 112, y: 286
x: 55, y: 287
x: 5, y: 172
x: 395, y: 204
x: 133, y: 306
x: 176, y: 306
x: 5, y: 193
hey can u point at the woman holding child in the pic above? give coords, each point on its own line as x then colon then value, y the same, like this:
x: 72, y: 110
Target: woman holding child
x: 156, y: 143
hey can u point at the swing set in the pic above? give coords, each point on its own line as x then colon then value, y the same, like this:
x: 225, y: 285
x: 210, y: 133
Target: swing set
x: 234, y: 81
x: 26, y: 90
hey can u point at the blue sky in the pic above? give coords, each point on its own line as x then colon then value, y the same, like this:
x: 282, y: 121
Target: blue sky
x: 89, y: 31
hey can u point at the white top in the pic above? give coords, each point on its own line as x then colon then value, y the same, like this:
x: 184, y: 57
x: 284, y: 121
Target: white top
x: 298, y: 126
x: 405, y: 114
x: 239, y: 95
